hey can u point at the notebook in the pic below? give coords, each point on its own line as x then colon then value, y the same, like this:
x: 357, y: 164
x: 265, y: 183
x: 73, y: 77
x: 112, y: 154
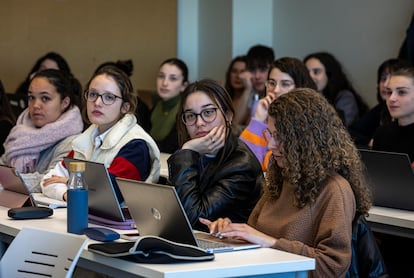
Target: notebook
x: 391, y: 177
x: 15, y: 192
x: 102, y: 199
x: 157, y: 210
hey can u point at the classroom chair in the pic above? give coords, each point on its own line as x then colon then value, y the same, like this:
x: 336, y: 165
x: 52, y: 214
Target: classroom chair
x: 41, y: 253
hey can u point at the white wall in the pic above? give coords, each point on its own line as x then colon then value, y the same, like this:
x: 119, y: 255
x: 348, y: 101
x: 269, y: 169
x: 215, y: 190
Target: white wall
x: 252, y: 23
x: 361, y: 34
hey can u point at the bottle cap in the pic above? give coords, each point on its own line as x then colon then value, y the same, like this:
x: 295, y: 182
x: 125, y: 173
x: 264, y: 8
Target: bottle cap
x: 77, y: 167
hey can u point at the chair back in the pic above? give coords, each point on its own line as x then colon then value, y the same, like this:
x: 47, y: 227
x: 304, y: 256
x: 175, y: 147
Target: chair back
x: 366, y: 259
x: 41, y: 253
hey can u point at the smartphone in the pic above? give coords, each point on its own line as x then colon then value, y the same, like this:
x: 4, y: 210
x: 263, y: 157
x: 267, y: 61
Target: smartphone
x: 130, y: 236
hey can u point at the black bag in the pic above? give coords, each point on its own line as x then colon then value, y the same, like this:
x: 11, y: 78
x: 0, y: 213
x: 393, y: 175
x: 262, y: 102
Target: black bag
x: 151, y: 249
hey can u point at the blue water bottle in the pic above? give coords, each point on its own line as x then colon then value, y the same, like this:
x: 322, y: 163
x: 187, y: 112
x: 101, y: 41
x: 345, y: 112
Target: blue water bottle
x: 77, y: 199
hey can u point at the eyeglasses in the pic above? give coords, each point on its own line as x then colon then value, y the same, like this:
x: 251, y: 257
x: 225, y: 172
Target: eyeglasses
x: 285, y: 84
x: 268, y: 136
x: 208, y: 115
x: 107, y: 98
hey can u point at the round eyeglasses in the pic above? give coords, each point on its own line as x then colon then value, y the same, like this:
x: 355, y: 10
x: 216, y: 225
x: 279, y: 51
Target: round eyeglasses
x: 107, y: 98
x: 208, y: 115
x: 284, y: 84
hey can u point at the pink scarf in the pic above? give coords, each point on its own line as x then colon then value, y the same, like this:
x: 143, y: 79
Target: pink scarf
x: 25, y: 141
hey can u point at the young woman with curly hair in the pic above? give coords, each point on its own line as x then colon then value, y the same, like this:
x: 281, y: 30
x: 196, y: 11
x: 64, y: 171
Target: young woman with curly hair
x: 314, y: 188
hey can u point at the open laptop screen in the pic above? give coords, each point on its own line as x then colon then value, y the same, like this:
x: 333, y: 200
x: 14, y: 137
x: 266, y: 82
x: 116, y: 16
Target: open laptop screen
x: 391, y: 177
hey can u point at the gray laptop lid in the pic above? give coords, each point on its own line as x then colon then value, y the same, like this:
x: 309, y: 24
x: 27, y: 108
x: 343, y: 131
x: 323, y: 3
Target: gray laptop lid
x: 14, y: 194
x: 157, y: 210
x: 391, y: 177
x: 102, y: 199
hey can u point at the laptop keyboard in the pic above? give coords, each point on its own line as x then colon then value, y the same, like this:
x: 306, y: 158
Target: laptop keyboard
x: 205, y: 244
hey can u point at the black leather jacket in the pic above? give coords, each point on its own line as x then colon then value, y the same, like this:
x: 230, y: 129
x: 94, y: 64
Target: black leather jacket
x: 366, y: 257
x: 210, y: 189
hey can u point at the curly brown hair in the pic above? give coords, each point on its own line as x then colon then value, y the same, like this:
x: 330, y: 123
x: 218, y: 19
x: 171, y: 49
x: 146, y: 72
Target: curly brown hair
x: 315, y: 146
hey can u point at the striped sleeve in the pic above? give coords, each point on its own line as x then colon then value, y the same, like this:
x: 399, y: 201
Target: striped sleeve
x: 252, y: 135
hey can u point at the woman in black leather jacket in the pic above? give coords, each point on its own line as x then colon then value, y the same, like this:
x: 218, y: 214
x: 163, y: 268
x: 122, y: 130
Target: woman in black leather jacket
x: 215, y: 174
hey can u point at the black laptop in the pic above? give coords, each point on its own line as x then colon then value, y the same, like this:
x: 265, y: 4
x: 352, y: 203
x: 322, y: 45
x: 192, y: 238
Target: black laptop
x: 391, y: 177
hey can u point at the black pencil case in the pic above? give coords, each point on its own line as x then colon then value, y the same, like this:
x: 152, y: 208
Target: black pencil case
x: 151, y: 249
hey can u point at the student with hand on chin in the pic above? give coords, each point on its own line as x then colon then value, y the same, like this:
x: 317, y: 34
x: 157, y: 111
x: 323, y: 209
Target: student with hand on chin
x: 215, y: 173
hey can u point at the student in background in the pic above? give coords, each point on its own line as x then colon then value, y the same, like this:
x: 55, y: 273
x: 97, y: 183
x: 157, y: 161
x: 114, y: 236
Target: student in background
x: 258, y: 59
x: 363, y: 130
x: 313, y: 190
x: 331, y: 80
x: 44, y: 131
x: 171, y: 81
x: 238, y: 84
x: 215, y: 174
x: 398, y: 136
x: 114, y: 138
x: 50, y: 60
x: 7, y: 119
x: 285, y: 74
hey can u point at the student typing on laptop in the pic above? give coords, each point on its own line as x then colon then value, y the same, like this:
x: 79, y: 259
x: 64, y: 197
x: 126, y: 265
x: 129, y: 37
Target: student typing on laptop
x: 114, y: 138
x: 214, y: 173
x: 314, y: 186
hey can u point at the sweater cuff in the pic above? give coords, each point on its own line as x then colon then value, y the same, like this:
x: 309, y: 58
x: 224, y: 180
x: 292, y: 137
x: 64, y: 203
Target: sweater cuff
x: 256, y: 126
x: 55, y: 191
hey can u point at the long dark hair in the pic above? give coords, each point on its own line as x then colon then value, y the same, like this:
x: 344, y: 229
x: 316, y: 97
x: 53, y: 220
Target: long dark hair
x: 60, y: 61
x: 6, y: 112
x: 227, y: 84
x: 296, y: 69
x: 337, y: 80
x: 221, y: 98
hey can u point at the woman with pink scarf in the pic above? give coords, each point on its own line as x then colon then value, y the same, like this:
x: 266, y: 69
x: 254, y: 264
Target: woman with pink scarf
x: 44, y: 131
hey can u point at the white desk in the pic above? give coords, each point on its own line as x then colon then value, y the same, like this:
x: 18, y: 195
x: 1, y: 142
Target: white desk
x: 392, y: 221
x: 263, y: 262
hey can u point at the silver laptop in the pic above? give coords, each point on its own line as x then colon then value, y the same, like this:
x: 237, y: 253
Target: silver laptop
x: 15, y: 192
x: 157, y: 210
x: 102, y: 198
x: 391, y: 177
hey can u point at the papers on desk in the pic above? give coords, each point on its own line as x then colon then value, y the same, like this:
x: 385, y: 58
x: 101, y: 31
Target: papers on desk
x: 43, y: 200
x: 164, y: 165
